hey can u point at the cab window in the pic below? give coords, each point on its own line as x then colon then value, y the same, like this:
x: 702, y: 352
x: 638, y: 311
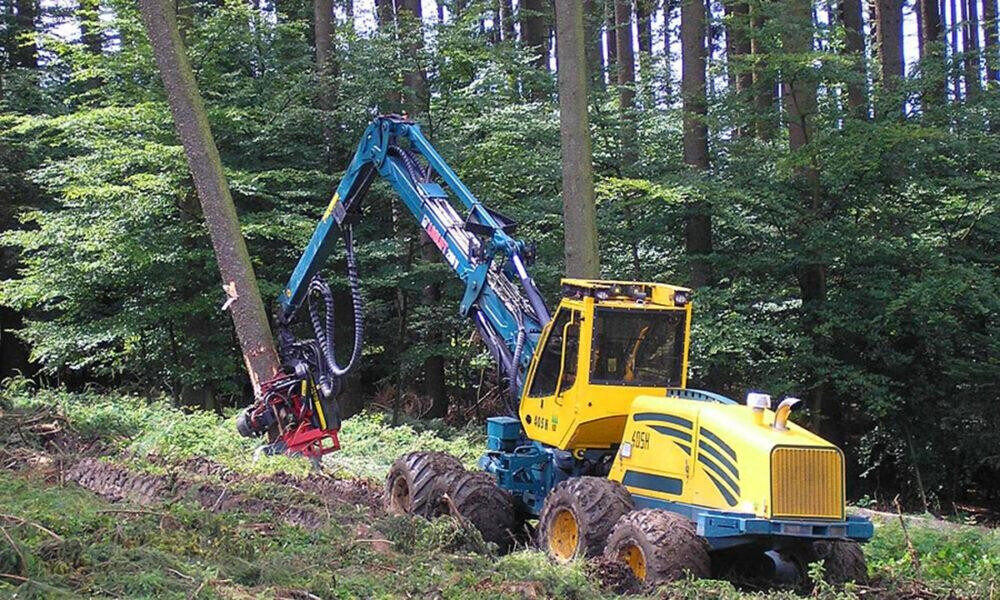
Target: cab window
x: 547, y: 371
x: 643, y: 348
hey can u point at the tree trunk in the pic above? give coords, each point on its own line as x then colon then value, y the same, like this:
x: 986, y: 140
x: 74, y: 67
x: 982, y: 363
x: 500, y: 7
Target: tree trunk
x: 24, y: 53
x: 990, y: 41
x: 88, y: 14
x: 738, y: 52
x: 416, y: 99
x: 954, y: 25
x: 763, y: 84
x: 799, y: 94
x: 534, y: 31
x: 611, y: 39
x: 626, y: 85
x: 416, y: 96
x: 593, y: 18
x: 698, y: 229
x: 970, y: 32
x: 669, y: 7
x: 931, y: 46
x: 644, y: 26
x: 507, y: 19
x: 889, y: 40
x: 534, y: 38
x: 191, y: 120
x: 854, y: 48
x: 579, y: 211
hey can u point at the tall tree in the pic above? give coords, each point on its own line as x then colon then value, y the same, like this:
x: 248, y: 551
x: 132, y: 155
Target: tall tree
x: 385, y: 13
x: 24, y: 52
x: 738, y: 48
x: 854, y: 47
x: 191, y: 121
x: 593, y: 19
x: 626, y: 83
x: 644, y: 25
x: 763, y: 84
x: 970, y: 37
x: 698, y: 229
x: 991, y: 41
x: 889, y: 41
x: 534, y: 38
x: 506, y: 19
x: 799, y: 95
x: 611, y: 39
x: 579, y: 210
x: 416, y: 99
x: 669, y: 8
x: 534, y: 31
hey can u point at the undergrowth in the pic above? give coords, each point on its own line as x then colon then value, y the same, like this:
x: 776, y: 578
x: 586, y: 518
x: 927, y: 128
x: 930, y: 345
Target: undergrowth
x: 66, y: 542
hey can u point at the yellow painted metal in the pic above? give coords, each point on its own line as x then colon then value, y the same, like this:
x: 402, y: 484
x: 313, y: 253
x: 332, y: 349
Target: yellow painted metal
x: 717, y: 456
x: 564, y: 535
x: 681, y: 450
x: 807, y: 482
x: 588, y: 415
x: 636, y: 561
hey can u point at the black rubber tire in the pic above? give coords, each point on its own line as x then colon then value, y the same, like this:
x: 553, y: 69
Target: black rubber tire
x: 670, y: 545
x: 490, y: 509
x: 415, y: 483
x: 596, y: 504
x: 843, y: 561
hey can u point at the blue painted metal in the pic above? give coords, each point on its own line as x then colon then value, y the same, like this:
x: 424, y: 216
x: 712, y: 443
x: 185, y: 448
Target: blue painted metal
x: 503, y: 313
x: 728, y: 529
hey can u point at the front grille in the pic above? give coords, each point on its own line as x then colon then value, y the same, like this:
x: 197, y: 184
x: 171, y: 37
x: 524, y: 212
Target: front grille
x: 807, y: 483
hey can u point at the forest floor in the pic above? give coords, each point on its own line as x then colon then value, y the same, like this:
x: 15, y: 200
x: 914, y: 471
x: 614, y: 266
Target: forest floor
x: 114, y: 496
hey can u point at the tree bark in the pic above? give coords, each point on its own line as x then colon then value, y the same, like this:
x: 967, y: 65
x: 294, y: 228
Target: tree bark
x: 763, y: 84
x: 534, y: 31
x: 931, y: 46
x: 889, y: 40
x: 626, y: 85
x: 698, y: 228
x: 579, y: 211
x: 507, y: 19
x: 593, y: 19
x: 611, y: 39
x: 970, y: 32
x: 854, y: 48
x: 191, y: 120
x: 991, y: 41
x: 954, y: 26
x: 669, y: 7
x: 385, y: 13
x: 738, y: 51
x: 416, y: 96
x: 24, y: 53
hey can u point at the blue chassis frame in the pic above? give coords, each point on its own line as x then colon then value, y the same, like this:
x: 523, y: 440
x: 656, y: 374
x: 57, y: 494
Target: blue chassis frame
x: 529, y: 470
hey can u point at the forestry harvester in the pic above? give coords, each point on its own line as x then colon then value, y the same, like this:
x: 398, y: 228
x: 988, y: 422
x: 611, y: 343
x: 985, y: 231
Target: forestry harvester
x: 605, y: 449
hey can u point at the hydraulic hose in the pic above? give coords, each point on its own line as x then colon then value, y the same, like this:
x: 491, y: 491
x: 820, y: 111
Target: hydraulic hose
x: 324, y: 324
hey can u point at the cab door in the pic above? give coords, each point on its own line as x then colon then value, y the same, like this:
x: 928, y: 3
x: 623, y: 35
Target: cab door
x: 552, y: 381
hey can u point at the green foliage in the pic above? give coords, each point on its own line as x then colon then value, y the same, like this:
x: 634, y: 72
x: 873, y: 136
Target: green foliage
x: 899, y: 360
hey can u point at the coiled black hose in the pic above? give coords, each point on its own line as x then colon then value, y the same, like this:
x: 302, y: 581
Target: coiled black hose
x: 323, y: 324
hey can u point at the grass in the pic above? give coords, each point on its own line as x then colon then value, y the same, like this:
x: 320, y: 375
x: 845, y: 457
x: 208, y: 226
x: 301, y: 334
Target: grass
x: 179, y: 550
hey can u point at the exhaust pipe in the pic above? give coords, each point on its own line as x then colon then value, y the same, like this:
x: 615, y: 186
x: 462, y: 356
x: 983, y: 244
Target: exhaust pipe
x: 781, y: 415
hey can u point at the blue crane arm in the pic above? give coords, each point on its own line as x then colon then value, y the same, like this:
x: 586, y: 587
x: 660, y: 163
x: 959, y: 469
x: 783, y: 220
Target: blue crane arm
x: 500, y: 296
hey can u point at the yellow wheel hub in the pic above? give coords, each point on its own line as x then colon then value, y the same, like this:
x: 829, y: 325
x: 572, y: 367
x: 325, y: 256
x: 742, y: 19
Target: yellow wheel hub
x: 636, y: 560
x: 564, y: 535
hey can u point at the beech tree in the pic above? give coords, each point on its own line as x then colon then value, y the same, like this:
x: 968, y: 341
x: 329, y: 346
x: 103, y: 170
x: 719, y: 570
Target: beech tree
x: 579, y: 210
x: 698, y: 237
x: 191, y: 121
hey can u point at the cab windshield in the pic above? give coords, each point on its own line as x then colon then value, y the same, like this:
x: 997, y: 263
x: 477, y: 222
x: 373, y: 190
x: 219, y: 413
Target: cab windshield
x: 643, y: 348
